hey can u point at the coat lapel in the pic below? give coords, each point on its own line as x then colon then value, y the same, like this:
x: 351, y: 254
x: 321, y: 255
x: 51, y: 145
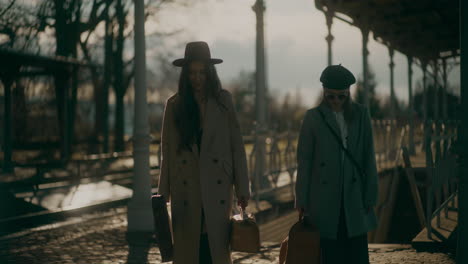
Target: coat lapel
x: 330, y: 118
x: 209, y: 125
x: 353, y: 129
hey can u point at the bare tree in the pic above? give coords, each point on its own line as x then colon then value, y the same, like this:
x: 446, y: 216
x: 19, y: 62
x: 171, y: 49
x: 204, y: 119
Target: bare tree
x: 6, y: 7
x: 19, y: 26
x: 76, y: 27
x: 123, y: 70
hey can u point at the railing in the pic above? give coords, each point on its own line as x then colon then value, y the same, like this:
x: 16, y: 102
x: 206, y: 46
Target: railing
x: 388, y: 157
x: 88, y: 168
x: 437, y: 178
x: 280, y: 166
x: 441, y: 171
x: 389, y: 138
x: 280, y: 158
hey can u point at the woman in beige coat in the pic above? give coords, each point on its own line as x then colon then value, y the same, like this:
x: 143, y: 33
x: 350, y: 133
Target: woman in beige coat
x: 203, y: 158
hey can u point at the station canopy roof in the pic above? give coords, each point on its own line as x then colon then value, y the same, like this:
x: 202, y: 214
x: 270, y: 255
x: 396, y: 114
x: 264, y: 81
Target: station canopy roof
x: 424, y: 29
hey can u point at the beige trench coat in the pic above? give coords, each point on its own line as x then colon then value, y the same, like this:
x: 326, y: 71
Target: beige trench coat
x: 192, y: 181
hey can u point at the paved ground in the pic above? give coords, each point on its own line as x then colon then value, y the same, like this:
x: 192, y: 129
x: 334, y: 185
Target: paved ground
x: 100, y: 238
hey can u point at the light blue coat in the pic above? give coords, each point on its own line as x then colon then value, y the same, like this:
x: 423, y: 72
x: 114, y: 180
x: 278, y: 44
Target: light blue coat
x: 323, y: 175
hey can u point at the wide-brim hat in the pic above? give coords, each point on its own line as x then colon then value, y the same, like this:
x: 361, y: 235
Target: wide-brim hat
x: 196, y: 51
x: 337, y: 77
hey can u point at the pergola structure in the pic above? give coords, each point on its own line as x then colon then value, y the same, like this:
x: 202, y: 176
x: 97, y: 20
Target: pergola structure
x: 427, y: 33
x: 425, y: 30
x: 14, y: 65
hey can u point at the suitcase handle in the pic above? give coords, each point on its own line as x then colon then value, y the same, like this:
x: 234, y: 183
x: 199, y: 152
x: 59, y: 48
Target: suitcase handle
x: 244, y: 214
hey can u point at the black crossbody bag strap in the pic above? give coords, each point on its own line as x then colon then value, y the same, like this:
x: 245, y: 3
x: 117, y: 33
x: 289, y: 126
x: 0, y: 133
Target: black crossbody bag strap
x: 340, y: 142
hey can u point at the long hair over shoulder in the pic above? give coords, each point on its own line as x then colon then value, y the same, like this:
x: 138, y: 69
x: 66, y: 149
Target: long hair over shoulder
x: 187, y: 113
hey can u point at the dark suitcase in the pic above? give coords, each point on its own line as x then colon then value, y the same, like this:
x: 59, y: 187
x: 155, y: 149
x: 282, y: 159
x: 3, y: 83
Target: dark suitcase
x: 162, y: 228
x: 245, y: 235
x: 301, y: 246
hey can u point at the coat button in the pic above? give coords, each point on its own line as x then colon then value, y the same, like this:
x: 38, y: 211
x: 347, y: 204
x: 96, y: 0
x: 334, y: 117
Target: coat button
x: 354, y: 179
x: 322, y: 164
x: 221, y: 202
x: 185, y: 203
x: 185, y: 182
x: 324, y: 182
x: 219, y: 181
x: 215, y: 160
x: 184, y: 161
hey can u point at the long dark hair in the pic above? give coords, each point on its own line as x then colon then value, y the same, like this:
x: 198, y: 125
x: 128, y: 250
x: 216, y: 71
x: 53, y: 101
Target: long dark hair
x: 187, y: 111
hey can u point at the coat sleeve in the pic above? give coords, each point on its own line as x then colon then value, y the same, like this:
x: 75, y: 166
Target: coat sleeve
x: 371, y: 183
x: 239, y: 160
x: 164, y: 178
x: 305, y: 149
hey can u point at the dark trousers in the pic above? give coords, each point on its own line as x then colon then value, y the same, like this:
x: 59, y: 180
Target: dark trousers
x: 344, y: 249
x: 204, y: 252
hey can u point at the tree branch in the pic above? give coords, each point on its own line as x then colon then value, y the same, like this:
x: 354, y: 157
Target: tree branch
x: 94, y: 18
x: 2, y: 12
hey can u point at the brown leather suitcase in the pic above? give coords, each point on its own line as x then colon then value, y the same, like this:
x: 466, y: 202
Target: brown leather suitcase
x: 283, y: 251
x: 302, y: 246
x: 245, y: 234
x: 162, y: 228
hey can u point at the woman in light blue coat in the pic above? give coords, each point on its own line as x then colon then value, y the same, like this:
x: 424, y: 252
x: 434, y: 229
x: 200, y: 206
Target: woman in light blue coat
x: 336, y: 187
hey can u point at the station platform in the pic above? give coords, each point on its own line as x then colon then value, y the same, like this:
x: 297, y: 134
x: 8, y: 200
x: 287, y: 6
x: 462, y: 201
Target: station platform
x: 101, y: 238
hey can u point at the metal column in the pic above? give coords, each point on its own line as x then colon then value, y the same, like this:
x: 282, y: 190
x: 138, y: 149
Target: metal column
x: 410, y: 105
x: 391, y: 53
x: 462, y: 247
x: 436, y: 90
x: 260, y: 98
x: 424, y: 95
x: 65, y: 85
x: 260, y: 92
x: 444, y: 89
x: 7, y: 125
x: 140, y: 216
x: 329, y: 17
x: 365, y: 71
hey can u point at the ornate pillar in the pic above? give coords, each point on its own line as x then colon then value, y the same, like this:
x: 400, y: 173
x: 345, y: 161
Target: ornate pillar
x: 329, y: 38
x: 424, y: 69
x: 7, y: 146
x: 444, y: 89
x: 365, y: 54
x: 260, y: 94
x: 462, y: 246
x: 410, y: 105
x: 436, y: 90
x: 391, y: 53
x: 260, y: 97
x: 140, y: 214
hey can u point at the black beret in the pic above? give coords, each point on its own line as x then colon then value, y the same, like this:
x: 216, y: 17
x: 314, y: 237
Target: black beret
x: 337, y: 77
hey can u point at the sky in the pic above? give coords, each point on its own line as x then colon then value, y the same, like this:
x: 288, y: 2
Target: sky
x: 296, y: 49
